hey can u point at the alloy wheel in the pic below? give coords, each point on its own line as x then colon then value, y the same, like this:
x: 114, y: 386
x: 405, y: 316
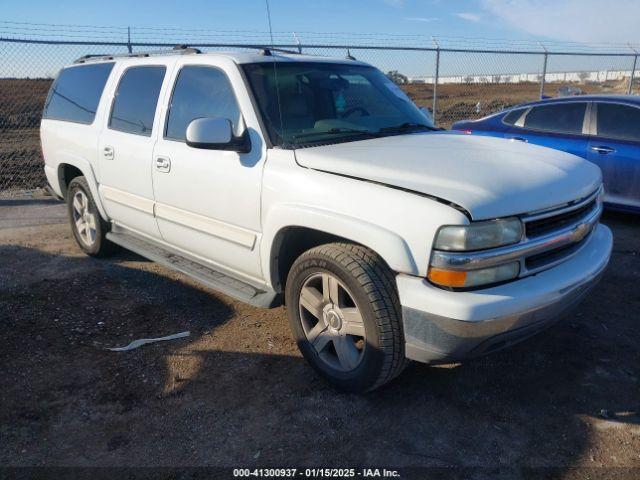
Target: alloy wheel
x: 84, y: 220
x: 332, y: 321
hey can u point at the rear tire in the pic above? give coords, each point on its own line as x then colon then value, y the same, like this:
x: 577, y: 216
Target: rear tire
x: 345, y: 316
x: 87, y: 225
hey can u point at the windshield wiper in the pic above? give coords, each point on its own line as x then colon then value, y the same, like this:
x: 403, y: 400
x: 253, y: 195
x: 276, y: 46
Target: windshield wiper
x: 336, y: 131
x: 406, y: 127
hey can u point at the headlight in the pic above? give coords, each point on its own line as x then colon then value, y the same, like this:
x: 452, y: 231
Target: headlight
x: 471, y: 238
x: 479, y: 236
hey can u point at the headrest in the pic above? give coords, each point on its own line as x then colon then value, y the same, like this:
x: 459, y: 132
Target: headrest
x: 295, y: 105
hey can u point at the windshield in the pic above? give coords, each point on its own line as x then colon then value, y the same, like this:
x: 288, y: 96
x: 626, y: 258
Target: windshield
x: 311, y: 102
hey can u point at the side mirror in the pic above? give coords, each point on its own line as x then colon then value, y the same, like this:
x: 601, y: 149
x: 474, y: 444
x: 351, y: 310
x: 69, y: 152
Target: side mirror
x: 216, y: 134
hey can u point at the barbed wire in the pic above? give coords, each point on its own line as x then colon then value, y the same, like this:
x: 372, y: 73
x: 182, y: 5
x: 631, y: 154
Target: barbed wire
x: 173, y: 34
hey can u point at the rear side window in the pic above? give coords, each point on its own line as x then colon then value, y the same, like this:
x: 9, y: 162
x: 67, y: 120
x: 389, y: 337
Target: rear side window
x: 200, y: 92
x: 134, y: 106
x: 560, y: 118
x: 618, y: 121
x: 513, y: 116
x: 75, y: 94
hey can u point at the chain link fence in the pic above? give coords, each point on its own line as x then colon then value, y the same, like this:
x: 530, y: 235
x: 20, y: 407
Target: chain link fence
x: 455, y: 83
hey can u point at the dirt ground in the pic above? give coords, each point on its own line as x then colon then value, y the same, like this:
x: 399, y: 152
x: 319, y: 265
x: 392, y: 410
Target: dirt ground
x: 237, y: 393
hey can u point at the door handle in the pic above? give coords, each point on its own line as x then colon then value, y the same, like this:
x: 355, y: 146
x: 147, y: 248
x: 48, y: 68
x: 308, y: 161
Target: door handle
x: 107, y: 152
x: 603, y: 149
x: 163, y: 164
x: 519, y: 139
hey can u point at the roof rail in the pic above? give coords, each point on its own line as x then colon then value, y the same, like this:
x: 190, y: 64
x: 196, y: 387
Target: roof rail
x: 177, y: 50
x: 267, y: 52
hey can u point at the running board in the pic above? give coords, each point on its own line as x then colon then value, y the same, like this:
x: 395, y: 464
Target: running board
x: 260, y: 296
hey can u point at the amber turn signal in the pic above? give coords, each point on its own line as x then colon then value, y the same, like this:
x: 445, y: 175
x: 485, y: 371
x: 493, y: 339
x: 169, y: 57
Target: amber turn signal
x: 447, y: 278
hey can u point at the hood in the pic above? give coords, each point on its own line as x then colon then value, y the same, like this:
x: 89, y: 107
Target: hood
x: 489, y: 177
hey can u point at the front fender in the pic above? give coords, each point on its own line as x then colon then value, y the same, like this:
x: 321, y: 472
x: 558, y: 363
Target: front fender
x: 386, y: 243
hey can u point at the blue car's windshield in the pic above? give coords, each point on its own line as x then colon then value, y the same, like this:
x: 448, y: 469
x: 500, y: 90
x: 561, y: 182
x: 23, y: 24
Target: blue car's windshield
x: 313, y: 102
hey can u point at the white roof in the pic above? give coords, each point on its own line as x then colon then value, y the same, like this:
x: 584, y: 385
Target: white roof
x: 239, y: 57
x: 257, y: 57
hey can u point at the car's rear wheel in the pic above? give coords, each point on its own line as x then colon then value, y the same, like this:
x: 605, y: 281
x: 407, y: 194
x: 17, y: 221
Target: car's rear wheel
x: 344, y: 313
x: 88, y: 227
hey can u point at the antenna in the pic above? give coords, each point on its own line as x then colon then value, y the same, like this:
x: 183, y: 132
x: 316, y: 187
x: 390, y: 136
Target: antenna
x: 295, y: 35
x: 269, y: 19
x: 275, y: 70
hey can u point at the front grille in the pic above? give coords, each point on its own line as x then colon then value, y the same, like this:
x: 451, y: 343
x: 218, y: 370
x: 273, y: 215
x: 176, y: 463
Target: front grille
x: 543, y: 259
x: 538, y: 228
x: 558, y: 222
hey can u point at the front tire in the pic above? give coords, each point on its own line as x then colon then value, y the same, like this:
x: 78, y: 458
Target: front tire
x: 344, y: 313
x: 87, y: 225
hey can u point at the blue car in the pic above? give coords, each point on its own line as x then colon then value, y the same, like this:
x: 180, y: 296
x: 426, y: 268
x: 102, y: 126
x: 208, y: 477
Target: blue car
x: 604, y: 129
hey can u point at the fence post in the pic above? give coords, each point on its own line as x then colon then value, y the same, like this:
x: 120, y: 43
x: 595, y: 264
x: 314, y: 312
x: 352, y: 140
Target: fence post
x: 129, y: 40
x: 544, y: 73
x: 633, y: 72
x: 435, y: 82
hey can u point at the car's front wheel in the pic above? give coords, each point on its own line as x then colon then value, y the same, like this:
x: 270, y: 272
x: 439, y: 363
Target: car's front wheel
x: 345, y: 315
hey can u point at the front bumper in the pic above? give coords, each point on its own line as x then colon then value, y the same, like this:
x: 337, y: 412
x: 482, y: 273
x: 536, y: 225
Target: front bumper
x: 443, y: 326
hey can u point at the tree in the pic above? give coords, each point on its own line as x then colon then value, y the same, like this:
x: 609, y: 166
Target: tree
x: 397, y: 77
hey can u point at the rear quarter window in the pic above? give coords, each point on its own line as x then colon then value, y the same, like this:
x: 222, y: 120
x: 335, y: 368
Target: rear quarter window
x: 513, y: 116
x: 75, y: 95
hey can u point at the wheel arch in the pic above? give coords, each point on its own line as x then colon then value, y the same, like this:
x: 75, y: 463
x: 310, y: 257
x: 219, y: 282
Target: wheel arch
x: 73, y: 167
x: 294, y: 230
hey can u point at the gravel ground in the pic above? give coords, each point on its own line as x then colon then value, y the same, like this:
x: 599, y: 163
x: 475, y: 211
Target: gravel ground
x: 237, y: 393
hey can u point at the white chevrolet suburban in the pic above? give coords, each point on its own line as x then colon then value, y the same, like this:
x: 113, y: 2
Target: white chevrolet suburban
x: 274, y: 177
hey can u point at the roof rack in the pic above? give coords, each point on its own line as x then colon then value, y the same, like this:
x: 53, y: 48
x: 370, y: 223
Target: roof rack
x: 267, y: 52
x: 177, y: 50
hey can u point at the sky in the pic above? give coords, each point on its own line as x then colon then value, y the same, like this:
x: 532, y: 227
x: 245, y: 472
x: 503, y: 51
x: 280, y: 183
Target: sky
x: 536, y: 20
x: 474, y: 24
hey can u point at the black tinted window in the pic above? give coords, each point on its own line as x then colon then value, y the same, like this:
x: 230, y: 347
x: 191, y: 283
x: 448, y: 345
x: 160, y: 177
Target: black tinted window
x: 76, y: 93
x: 200, y: 92
x: 136, y: 98
x: 561, y: 118
x: 618, y: 121
x: 513, y: 116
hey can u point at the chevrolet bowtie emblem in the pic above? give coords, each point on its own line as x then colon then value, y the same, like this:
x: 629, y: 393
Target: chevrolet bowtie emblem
x: 580, y: 232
